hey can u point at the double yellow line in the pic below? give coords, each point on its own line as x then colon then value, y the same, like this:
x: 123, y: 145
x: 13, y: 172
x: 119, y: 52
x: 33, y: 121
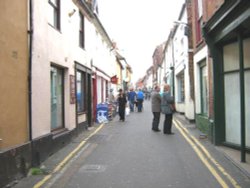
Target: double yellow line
x: 205, y: 157
x: 66, y: 159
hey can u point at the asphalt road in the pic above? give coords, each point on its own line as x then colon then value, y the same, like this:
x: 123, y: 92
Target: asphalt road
x: 130, y: 155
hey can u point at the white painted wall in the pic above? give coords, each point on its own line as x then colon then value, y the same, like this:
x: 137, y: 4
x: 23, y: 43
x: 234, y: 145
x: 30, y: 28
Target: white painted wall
x: 103, y: 58
x: 58, y: 47
x: 181, y: 66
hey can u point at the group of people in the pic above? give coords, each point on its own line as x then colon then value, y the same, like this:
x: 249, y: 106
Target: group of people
x: 134, y: 99
x: 160, y: 103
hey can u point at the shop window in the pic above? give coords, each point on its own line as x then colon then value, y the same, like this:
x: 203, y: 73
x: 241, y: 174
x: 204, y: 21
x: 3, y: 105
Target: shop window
x: 81, y: 91
x: 54, y: 13
x: 57, y: 95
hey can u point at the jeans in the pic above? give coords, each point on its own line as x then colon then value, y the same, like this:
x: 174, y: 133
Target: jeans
x: 131, y: 105
x: 140, y: 101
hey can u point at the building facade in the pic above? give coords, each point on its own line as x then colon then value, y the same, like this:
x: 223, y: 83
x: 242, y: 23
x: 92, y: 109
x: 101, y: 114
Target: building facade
x: 203, y: 74
x: 178, y: 63
x: 47, y: 78
x: 15, y: 89
x: 228, y: 41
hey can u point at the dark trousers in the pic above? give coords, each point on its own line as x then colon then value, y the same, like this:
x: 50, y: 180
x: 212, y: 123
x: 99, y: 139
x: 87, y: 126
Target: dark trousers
x: 156, y: 120
x: 140, y: 101
x: 121, y: 111
x: 167, y: 123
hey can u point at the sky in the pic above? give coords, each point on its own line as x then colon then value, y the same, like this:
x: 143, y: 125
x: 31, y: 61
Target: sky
x: 138, y: 27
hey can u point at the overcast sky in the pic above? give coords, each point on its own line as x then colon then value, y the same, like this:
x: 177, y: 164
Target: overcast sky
x: 138, y: 26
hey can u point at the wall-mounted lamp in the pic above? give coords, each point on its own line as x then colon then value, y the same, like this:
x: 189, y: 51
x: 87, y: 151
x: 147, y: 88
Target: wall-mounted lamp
x: 72, y: 12
x: 186, y: 28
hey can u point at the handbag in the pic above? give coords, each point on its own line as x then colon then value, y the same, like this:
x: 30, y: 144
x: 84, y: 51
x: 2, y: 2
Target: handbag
x: 127, y: 111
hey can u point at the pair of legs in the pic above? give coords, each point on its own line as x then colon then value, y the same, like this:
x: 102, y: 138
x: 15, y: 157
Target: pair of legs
x: 140, y: 101
x: 131, y: 105
x: 121, y: 111
x: 167, y: 126
x: 156, y: 121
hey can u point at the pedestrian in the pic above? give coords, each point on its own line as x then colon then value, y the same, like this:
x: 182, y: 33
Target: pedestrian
x: 140, y: 98
x: 167, y: 103
x: 156, y: 108
x: 111, y: 97
x: 122, y: 101
x: 131, y: 99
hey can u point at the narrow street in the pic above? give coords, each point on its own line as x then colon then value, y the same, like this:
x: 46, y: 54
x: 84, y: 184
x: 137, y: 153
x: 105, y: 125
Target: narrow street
x: 129, y: 155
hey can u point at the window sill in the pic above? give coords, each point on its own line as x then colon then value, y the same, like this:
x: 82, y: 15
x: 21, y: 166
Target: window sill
x: 59, y: 132
x: 81, y: 113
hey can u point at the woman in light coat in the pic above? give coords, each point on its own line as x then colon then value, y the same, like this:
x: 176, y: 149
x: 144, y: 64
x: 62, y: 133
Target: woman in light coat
x: 167, y: 103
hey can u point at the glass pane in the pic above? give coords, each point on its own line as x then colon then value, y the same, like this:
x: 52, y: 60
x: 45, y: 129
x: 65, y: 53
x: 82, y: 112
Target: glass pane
x: 80, y: 94
x: 231, y: 57
x: 204, y: 90
x: 246, y: 53
x: 51, y: 15
x: 247, y: 106
x: 232, y: 107
x: 56, y: 98
x: 56, y: 19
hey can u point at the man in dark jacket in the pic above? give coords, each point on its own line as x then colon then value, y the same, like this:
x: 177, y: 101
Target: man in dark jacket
x: 156, y: 108
x: 122, y: 101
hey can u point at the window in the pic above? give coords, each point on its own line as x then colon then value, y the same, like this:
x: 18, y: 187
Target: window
x: 181, y: 88
x: 198, y: 17
x: 54, y: 10
x: 203, y: 88
x: 81, y: 91
x: 81, y: 32
x: 57, y: 102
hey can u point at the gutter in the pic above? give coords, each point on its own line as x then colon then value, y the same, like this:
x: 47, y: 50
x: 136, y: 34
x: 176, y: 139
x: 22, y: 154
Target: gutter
x: 30, y: 33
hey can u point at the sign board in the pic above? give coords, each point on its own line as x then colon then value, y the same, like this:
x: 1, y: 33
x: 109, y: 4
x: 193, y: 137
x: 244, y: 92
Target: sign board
x: 72, y: 89
x: 114, y: 80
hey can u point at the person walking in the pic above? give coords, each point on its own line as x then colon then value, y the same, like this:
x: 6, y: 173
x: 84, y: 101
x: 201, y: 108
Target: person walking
x: 156, y: 108
x: 167, y: 102
x: 131, y: 99
x: 122, y: 101
x: 140, y: 98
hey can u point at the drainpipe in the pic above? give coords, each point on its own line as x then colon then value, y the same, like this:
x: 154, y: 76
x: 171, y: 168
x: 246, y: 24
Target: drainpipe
x: 173, y: 68
x: 30, y: 32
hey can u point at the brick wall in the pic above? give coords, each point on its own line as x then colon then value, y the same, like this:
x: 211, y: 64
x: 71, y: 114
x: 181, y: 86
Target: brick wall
x: 190, y: 47
x: 210, y: 7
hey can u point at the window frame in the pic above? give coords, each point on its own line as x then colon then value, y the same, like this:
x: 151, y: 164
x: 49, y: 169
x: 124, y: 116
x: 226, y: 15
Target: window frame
x: 81, y: 31
x: 202, y: 100
x: 62, y: 99
x: 181, y: 88
x: 198, y: 21
x: 83, y: 106
x: 56, y: 13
